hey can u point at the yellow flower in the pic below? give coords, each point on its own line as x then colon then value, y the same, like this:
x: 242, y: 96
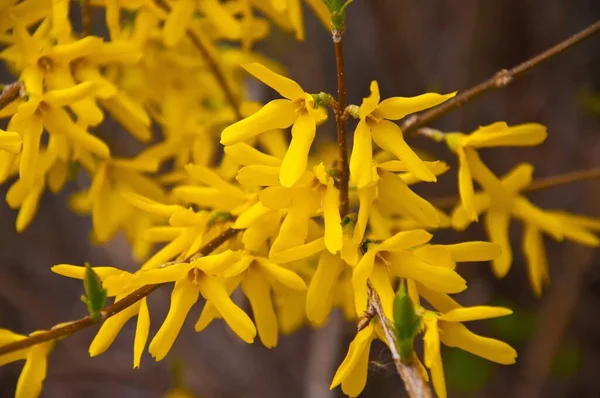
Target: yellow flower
x: 375, y: 125
x: 298, y: 109
x: 448, y: 328
x: 393, y: 258
x: 192, y: 279
x: 34, y: 372
x: 259, y: 277
x: 536, y: 220
x: 471, y: 167
x: 118, y: 284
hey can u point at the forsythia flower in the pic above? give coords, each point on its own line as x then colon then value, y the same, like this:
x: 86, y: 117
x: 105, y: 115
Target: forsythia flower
x: 375, y: 125
x: 36, y: 364
x: 470, y: 165
x: 298, y: 109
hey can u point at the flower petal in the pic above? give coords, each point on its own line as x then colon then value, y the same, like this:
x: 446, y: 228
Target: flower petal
x: 487, y: 179
x: 396, y: 108
x: 296, y: 157
x: 246, y: 155
x: 528, y: 134
x: 457, y: 335
x: 178, y: 21
x: 474, y: 251
x: 299, y: 252
x: 110, y: 329
x: 362, y: 341
x: 535, y: 253
x: 360, y: 275
x: 407, y: 265
x: 366, y: 197
x: 474, y: 313
x: 333, y: 221
x: 361, y: 158
x: 320, y: 294
x: 286, y: 277
x: 496, y: 225
x: 258, y: 291
x: 381, y: 282
x: 34, y: 372
x: 404, y: 240
x: 370, y: 103
x: 431, y: 339
x: 283, y: 85
x: 142, y: 330
x: 465, y: 185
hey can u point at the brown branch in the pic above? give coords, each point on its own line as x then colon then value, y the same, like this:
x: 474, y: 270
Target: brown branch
x: 501, y: 79
x: 10, y: 92
x: 212, y: 65
x: 110, y: 310
x: 415, y: 385
x: 537, y: 185
x: 86, y: 18
x: 341, y: 119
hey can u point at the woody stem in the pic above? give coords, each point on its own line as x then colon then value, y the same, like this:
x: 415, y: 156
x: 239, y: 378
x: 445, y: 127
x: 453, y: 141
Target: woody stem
x: 341, y: 119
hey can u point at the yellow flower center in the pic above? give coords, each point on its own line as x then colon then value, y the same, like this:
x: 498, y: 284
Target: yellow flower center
x: 374, y: 118
x: 45, y: 63
x: 300, y: 106
x: 194, y: 275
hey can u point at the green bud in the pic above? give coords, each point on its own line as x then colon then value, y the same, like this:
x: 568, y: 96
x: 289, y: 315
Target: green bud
x: 406, y: 322
x: 95, y: 294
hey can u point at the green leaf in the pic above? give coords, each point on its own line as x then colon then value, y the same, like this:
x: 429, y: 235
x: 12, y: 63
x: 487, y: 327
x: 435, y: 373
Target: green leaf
x: 95, y: 294
x: 406, y: 322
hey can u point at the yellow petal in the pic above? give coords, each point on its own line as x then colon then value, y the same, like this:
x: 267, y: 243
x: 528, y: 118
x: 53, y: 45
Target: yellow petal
x: 518, y: 177
x: 177, y: 21
x: 474, y: 313
x: 535, y: 253
x: 358, y: 346
x: 408, y: 265
x: 333, y: 221
x: 457, y: 335
x: 360, y: 275
x: 440, y: 301
x: 237, y: 319
x: 320, y: 294
x: 431, y: 339
x: 78, y: 272
x: 435, y: 254
x: 370, y: 103
x: 33, y: 374
x: 487, y: 179
x: 460, y: 220
x: 209, y: 311
x: 465, y: 185
x: 150, y: 206
x: 277, y: 114
x: 258, y: 175
x: 356, y: 381
x: 29, y: 167
x: 396, y: 108
x: 28, y: 208
x: 366, y: 197
x: 361, y: 158
x: 381, y: 282
x: 247, y: 155
x: 184, y: 296
x: 10, y: 141
x: 296, y: 157
x: 388, y: 136
x: 67, y: 96
x: 171, y: 273
x: 239, y: 266
x: 77, y: 49
x: 141, y: 333
x: 528, y: 134
x: 474, y: 251
x: 543, y: 220
x: 437, y: 377
x: 298, y: 252
x: 258, y: 291
x: 497, y: 224
x: 162, y: 234
x: 405, y: 240
x: 250, y: 216
x: 286, y: 277
x: 284, y: 86
x: 110, y: 329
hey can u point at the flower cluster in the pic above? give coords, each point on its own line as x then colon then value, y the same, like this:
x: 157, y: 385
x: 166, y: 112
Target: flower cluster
x: 263, y: 214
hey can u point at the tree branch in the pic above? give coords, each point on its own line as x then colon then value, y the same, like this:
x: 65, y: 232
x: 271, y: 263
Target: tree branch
x: 212, y: 65
x: 415, y: 385
x: 110, y: 310
x: 10, y: 92
x: 341, y: 119
x: 501, y: 79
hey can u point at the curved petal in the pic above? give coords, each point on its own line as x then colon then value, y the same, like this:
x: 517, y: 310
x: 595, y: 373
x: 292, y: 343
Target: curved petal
x: 388, y: 136
x: 177, y: 21
x: 361, y: 158
x: 361, y: 342
x: 29, y: 167
x: 457, y: 335
x: 487, y: 179
x: 284, y: 86
x: 320, y: 294
x: 431, y: 339
x: 366, y: 197
x: 474, y: 313
x: 528, y: 134
x: 474, y: 251
x: 184, y: 296
x: 460, y: 219
x: 286, y: 277
x: 496, y: 225
x: 381, y: 282
x: 142, y: 330
x: 404, y: 240
x: 370, y: 103
x: 543, y: 220
x: 246, y: 155
x: 360, y: 275
x: 465, y: 185
x: 437, y: 377
x: 296, y: 157
x: 277, y: 114
x: 406, y: 265
x: 298, y: 252
x: 110, y: 329
x: 535, y: 253
x: 332, y: 219
x: 356, y: 381
x: 57, y: 121
x: 398, y: 107
x: 33, y: 374
x: 258, y: 291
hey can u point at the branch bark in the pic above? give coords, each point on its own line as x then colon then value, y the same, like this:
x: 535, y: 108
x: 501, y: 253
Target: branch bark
x: 110, y: 310
x: 10, y: 92
x: 501, y: 79
x: 341, y: 120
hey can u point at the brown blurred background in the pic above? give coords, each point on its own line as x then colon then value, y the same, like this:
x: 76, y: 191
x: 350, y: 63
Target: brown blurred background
x: 409, y: 47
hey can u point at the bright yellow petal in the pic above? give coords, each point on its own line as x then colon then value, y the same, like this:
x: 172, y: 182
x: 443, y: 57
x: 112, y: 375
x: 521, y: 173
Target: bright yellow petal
x: 184, y: 296
x: 151, y: 206
x: 370, y: 103
x: 487, y: 179
x: 543, y: 220
x: 286, y: 277
x: 177, y: 21
x: 67, y: 96
x: 437, y: 377
x: 405, y: 240
x: 214, y: 291
x: 361, y: 342
x: 497, y: 224
x: 388, y: 136
x: 141, y: 333
x: 465, y: 185
x: 431, y: 339
x: 474, y: 251
x: 78, y: 272
x: 110, y: 329
x: 296, y: 157
x: 298, y: 252
x: 382, y: 283
x: 33, y: 374
x: 29, y: 167
x: 459, y: 218
x: 440, y: 301
x: 356, y: 381
x: 360, y: 275
x: 474, y: 313
x: 247, y: 155
x: 366, y: 197
x: 284, y: 86
x: 361, y: 158
x: 222, y: 20
x: 528, y: 134
x: 333, y: 221
x: 10, y: 141
x: 277, y: 114
x: 258, y: 291
x: 535, y: 253
x: 396, y: 108
x: 319, y: 298
x: 457, y: 335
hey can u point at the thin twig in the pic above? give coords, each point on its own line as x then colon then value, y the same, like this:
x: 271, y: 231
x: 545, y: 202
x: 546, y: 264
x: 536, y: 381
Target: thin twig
x: 212, y: 65
x: 341, y: 120
x: 500, y: 79
x: 10, y: 92
x: 110, y: 310
x: 86, y: 18
x: 537, y: 185
x: 415, y: 385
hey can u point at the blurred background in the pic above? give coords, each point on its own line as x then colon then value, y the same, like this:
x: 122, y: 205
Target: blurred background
x: 409, y: 47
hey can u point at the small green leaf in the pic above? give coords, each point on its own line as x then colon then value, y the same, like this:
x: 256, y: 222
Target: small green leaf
x: 95, y: 294
x: 406, y: 322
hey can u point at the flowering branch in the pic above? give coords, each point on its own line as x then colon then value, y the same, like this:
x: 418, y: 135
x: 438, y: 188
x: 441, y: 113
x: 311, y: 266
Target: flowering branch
x: 110, y: 310
x: 537, y: 185
x: 10, y: 92
x: 212, y: 65
x: 415, y: 385
x: 501, y: 79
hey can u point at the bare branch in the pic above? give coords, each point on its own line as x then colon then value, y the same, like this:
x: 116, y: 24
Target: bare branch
x: 11, y: 92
